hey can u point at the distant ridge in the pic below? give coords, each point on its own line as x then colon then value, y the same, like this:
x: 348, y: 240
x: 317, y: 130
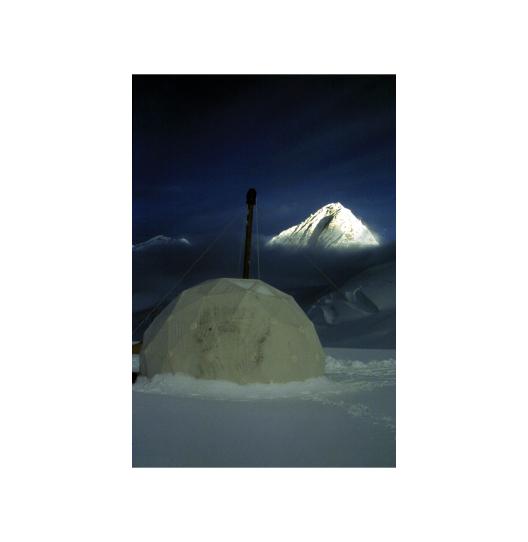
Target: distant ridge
x: 161, y: 240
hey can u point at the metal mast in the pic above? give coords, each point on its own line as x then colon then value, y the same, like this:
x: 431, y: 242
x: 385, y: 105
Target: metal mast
x: 251, y: 200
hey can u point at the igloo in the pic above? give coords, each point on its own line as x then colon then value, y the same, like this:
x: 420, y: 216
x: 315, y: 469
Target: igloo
x: 242, y: 330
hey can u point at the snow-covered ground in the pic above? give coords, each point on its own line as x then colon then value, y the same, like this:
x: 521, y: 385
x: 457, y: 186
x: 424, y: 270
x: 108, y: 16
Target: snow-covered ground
x: 344, y: 419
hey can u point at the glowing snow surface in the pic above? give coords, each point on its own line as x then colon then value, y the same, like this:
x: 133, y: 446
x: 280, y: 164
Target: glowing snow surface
x: 332, y: 226
x: 345, y: 418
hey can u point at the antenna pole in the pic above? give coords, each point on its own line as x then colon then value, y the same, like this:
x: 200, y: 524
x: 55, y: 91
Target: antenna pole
x: 251, y: 200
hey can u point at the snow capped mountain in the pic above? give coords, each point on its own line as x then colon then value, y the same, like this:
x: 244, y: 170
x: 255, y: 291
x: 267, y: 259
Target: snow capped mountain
x: 332, y: 226
x: 161, y: 240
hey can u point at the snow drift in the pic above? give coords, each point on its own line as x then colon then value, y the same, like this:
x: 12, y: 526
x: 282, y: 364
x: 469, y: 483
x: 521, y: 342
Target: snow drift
x: 362, y: 312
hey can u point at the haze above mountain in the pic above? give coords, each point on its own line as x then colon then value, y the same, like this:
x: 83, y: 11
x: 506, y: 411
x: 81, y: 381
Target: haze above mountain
x: 332, y: 226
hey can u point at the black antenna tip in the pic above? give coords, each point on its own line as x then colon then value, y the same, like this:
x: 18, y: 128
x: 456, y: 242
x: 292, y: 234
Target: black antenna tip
x: 251, y: 196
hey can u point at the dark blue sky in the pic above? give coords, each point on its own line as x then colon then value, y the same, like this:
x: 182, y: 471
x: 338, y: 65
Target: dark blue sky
x: 199, y: 142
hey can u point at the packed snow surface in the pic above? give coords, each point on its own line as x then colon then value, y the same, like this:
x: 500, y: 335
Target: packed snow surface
x: 332, y: 226
x: 344, y: 418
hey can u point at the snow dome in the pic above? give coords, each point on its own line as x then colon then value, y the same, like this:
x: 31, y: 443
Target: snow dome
x: 242, y: 330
